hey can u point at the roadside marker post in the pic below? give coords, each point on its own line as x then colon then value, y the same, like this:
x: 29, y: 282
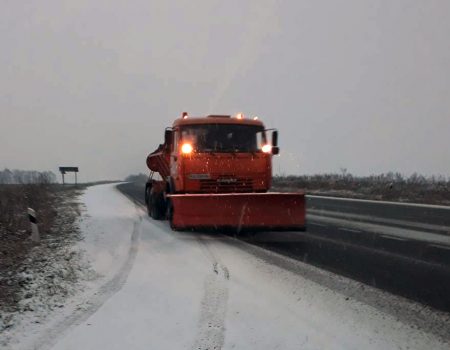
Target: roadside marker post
x: 34, y: 227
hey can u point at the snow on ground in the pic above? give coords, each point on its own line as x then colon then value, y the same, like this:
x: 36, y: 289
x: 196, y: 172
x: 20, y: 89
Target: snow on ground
x: 108, y: 228
x: 176, y: 290
x: 96, y: 258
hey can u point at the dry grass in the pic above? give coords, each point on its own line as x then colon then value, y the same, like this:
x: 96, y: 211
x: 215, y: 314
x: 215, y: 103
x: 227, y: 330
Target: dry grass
x: 15, y: 230
x: 14, y: 201
x: 392, y: 187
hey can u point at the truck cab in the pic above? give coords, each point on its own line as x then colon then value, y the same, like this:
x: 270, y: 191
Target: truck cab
x: 219, y: 154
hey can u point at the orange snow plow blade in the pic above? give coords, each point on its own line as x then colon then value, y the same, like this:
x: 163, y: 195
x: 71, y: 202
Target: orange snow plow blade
x: 239, y: 211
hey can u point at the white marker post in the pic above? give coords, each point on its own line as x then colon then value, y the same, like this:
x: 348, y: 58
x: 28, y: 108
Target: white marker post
x: 34, y: 227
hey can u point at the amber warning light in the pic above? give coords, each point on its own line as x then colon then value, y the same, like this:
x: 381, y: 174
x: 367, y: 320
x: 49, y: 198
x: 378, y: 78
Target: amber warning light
x: 267, y: 148
x: 186, y: 148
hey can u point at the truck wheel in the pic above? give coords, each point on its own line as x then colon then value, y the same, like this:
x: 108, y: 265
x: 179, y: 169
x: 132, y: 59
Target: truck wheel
x: 169, y: 211
x: 147, y: 193
x: 148, y: 201
x: 157, y: 206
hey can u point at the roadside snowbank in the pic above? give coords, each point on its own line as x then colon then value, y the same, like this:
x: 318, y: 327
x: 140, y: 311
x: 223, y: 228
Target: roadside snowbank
x: 84, y: 267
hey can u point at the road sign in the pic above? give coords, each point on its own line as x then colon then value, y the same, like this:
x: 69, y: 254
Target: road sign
x: 68, y: 169
x: 73, y: 169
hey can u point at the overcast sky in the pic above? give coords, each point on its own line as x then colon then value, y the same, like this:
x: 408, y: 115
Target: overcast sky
x: 362, y: 85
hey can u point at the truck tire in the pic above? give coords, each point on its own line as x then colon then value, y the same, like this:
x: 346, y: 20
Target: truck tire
x: 148, y: 201
x: 169, y: 206
x: 157, y: 205
x: 147, y: 193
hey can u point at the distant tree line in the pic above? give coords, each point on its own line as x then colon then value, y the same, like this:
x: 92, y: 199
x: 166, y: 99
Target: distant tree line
x: 140, y: 178
x: 26, y: 177
x: 345, y: 179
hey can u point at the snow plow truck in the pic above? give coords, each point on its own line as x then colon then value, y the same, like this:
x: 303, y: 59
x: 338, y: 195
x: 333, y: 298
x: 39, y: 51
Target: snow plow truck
x: 215, y: 172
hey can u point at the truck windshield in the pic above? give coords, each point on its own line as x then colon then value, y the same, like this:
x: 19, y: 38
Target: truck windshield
x: 224, y: 137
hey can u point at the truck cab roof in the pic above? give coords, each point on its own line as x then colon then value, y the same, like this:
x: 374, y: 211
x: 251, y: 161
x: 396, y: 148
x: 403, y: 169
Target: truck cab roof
x: 216, y: 119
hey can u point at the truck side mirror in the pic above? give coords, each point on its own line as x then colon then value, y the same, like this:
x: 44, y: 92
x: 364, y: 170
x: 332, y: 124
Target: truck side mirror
x: 275, y: 148
x: 168, y: 134
x: 274, y: 138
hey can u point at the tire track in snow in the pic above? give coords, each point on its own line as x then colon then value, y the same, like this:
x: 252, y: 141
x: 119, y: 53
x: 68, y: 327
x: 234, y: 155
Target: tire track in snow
x: 106, y: 291
x: 211, y: 327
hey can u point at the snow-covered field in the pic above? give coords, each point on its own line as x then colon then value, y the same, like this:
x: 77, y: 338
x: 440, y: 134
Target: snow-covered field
x: 157, y: 289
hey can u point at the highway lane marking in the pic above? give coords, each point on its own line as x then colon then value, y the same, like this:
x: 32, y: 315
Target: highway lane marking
x: 349, y: 229
x: 405, y: 204
x: 379, y: 230
x: 441, y: 229
x: 439, y: 246
x: 393, y: 237
x: 315, y: 224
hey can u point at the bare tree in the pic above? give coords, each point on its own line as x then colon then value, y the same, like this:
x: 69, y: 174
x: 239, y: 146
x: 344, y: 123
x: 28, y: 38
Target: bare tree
x: 26, y: 177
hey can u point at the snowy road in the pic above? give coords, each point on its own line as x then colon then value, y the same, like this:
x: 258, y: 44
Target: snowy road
x: 175, y: 290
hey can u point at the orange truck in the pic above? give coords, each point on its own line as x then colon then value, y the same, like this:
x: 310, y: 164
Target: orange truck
x: 215, y: 172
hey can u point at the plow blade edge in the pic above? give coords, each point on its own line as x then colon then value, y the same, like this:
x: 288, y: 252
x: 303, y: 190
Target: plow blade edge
x: 239, y: 211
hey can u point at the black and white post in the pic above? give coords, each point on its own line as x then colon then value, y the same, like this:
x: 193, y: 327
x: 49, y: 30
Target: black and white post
x: 34, y: 227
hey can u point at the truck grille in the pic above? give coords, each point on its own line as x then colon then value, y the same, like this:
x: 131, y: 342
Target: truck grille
x: 226, y: 185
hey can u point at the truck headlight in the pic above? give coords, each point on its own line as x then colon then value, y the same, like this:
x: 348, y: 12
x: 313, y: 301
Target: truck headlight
x: 186, y: 148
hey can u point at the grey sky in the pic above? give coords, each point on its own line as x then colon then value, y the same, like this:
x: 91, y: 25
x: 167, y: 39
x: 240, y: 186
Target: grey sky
x: 357, y: 84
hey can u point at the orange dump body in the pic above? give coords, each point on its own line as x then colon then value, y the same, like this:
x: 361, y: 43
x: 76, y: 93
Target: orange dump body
x: 159, y: 161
